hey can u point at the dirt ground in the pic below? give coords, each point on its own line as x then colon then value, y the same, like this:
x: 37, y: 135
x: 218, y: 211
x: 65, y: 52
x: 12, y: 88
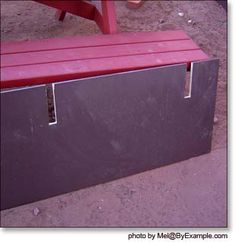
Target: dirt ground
x: 204, y: 21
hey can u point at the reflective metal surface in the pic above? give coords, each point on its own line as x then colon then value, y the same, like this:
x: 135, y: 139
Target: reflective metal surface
x: 107, y: 127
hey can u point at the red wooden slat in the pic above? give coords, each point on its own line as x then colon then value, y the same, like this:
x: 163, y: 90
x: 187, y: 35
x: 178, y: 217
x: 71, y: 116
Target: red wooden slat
x: 89, y: 41
x: 30, y: 58
x: 53, y: 72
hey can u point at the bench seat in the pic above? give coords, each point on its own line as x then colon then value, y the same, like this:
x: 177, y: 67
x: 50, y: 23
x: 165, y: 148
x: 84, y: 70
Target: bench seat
x: 33, y: 62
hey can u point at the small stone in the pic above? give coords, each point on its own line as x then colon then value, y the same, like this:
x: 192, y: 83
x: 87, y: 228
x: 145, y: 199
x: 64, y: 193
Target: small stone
x: 161, y: 21
x: 99, y: 207
x: 24, y: 39
x: 36, y: 211
x: 132, y: 191
x: 189, y: 21
x: 215, y: 120
x: 181, y: 14
x: 134, y: 4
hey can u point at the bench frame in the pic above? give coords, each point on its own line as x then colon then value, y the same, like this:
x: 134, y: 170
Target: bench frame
x: 105, y: 18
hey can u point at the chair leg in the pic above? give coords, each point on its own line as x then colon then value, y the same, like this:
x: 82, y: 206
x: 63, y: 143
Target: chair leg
x: 60, y: 15
x: 109, y: 17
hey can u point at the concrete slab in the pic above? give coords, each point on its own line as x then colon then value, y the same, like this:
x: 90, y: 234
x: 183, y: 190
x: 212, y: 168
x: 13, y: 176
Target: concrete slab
x: 191, y: 193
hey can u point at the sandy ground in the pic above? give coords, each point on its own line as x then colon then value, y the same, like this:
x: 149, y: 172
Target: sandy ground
x: 179, y: 195
x: 190, y: 193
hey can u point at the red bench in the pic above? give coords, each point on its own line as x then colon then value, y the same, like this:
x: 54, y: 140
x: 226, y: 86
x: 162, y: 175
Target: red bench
x: 52, y: 60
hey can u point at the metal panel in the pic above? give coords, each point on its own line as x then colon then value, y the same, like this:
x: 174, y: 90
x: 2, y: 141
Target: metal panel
x: 107, y: 127
x: 24, y: 121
